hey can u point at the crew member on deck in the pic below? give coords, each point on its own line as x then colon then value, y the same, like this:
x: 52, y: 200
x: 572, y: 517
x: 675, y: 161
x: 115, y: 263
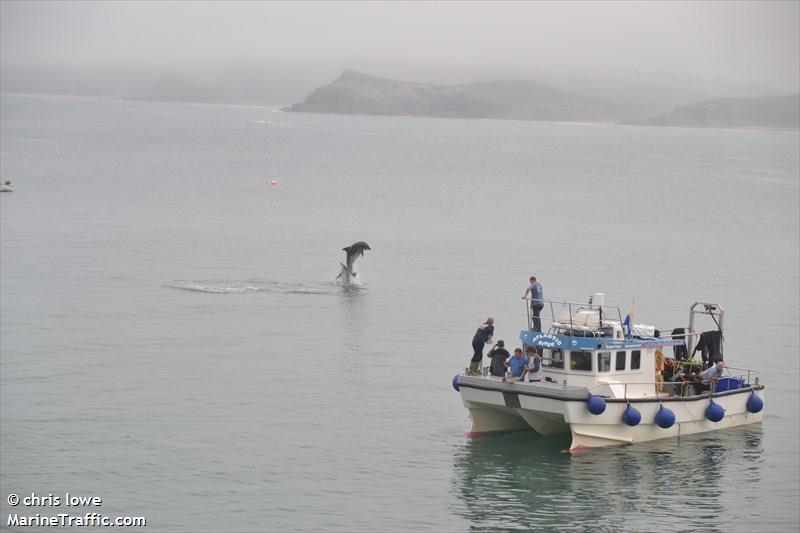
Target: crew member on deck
x: 711, y: 374
x: 534, y: 365
x: 537, y: 302
x: 482, y: 336
x: 518, y: 365
x: 684, y: 384
x: 498, y: 354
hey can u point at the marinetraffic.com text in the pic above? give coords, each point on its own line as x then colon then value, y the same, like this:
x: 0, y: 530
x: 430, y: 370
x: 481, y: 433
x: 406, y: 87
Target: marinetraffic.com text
x: 67, y: 510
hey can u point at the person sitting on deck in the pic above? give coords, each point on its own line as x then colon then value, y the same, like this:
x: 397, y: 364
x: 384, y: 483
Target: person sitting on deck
x: 684, y: 383
x: 498, y: 354
x: 518, y: 365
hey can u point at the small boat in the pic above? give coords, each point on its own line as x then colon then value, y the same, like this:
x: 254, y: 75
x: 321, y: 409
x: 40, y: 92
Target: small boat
x: 6, y: 187
x: 609, y: 382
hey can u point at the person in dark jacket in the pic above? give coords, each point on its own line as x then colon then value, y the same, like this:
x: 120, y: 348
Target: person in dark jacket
x: 482, y: 336
x: 499, y: 355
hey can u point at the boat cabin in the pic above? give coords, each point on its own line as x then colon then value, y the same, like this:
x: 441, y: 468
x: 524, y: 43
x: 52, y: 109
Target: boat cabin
x: 592, y: 346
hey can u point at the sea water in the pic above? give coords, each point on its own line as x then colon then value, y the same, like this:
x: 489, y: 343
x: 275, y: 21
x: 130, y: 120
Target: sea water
x: 173, y: 341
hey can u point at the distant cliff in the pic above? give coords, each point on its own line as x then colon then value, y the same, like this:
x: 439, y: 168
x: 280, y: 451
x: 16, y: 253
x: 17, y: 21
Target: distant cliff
x: 357, y: 93
x: 777, y: 112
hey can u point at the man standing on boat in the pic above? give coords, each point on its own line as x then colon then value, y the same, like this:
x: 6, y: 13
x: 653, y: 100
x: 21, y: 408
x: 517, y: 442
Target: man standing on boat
x: 482, y: 336
x: 537, y: 302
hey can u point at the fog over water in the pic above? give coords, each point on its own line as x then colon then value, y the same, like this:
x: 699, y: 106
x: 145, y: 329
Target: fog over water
x: 172, y: 337
x: 122, y: 48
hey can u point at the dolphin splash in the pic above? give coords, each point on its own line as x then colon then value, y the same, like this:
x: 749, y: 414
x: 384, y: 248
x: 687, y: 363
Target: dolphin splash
x: 354, y: 251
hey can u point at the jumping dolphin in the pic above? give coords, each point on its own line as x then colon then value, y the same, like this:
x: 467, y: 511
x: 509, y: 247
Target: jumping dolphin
x: 354, y: 251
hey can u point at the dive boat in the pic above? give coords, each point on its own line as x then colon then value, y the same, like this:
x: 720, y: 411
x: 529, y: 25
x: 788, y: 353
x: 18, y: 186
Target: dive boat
x: 608, y: 382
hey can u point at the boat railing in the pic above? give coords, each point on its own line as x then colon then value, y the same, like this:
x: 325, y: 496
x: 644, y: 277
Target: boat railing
x: 679, y: 335
x: 608, y: 313
x: 749, y: 378
x: 605, y: 312
x: 742, y: 372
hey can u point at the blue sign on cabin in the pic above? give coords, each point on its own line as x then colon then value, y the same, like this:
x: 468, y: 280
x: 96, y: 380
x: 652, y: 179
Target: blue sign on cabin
x: 567, y: 342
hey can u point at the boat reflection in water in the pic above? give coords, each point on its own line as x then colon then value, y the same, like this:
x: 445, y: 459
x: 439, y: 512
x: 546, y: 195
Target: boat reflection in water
x: 521, y: 481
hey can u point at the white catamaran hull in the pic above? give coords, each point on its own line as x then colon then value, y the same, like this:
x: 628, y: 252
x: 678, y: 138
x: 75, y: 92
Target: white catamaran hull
x: 506, y: 410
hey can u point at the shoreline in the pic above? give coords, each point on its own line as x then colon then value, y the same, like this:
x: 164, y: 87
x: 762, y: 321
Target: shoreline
x: 286, y: 109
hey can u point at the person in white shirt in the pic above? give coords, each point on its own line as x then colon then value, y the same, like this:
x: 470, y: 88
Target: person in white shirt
x: 534, y: 365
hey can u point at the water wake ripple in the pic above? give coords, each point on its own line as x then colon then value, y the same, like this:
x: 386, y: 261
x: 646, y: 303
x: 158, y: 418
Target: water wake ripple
x: 253, y: 286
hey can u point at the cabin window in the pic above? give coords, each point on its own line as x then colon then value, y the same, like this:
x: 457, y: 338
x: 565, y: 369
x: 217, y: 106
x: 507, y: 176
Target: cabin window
x: 578, y: 333
x: 620, y: 361
x: 636, y: 359
x: 556, y: 359
x: 603, y: 361
x: 581, y: 361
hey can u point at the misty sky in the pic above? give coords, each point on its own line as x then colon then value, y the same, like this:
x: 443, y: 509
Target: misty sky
x: 743, y: 41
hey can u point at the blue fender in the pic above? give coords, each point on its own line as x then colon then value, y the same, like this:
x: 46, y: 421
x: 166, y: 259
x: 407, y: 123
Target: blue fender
x: 665, y: 418
x: 631, y: 416
x: 595, y: 404
x: 754, y: 403
x: 714, y: 411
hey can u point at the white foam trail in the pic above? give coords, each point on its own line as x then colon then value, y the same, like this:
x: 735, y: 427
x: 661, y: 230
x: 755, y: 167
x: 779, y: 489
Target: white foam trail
x: 244, y: 287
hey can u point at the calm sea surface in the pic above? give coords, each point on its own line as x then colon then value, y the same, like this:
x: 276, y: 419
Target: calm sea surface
x: 172, y: 339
